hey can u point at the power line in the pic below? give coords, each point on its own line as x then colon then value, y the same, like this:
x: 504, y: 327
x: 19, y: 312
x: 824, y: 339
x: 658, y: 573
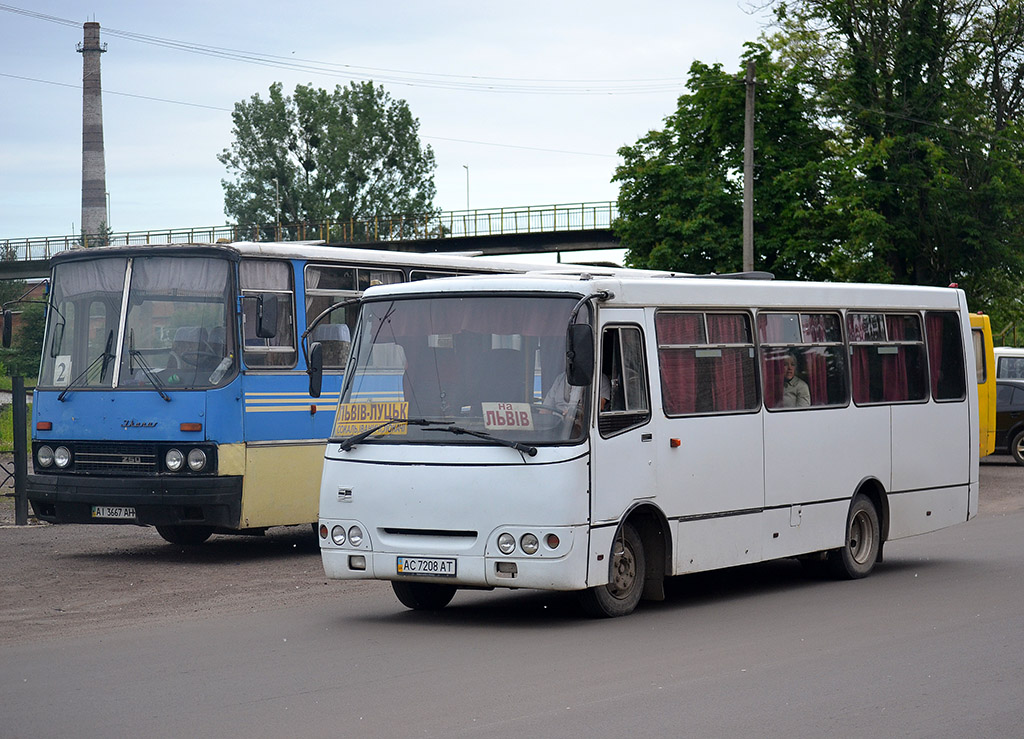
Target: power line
x: 229, y: 110
x: 410, y: 78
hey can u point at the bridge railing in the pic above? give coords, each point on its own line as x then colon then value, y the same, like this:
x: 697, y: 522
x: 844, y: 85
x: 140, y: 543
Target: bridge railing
x: 439, y: 225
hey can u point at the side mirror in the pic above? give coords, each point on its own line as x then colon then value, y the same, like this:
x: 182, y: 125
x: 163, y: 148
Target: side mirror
x: 315, y: 370
x: 266, y: 316
x: 579, y: 355
x: 8, y: 319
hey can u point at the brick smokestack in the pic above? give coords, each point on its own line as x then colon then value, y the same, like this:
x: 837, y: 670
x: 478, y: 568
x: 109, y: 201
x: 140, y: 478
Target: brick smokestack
x: 94, y: 171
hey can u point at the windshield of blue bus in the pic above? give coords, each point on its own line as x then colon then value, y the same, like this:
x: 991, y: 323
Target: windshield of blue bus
x: 140, y: 322
x: 488, y: 364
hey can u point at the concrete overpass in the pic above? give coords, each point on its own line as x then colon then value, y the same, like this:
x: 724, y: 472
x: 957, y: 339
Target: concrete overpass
x: 496, y: 231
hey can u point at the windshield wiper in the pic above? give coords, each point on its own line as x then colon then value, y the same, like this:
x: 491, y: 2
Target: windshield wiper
x: 106, y: 356
x: 133, y: 354
x: 351, y: 441
x: 530, y: 451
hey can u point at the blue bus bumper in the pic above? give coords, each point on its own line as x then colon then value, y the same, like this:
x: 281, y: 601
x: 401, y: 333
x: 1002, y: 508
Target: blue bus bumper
x: 210, y: 501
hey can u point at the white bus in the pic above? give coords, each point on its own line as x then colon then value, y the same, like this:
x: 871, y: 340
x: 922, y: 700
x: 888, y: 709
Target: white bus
x: 600, y: 434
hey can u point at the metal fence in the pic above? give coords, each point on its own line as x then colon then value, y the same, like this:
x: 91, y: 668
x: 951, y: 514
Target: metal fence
x: 440, y: 225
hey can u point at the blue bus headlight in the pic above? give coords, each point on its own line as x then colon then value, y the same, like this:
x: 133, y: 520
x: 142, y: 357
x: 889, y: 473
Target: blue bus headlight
x: 196, y: 460
x: 44, y: 456
x: 61, y: 456
x: 173, y: 460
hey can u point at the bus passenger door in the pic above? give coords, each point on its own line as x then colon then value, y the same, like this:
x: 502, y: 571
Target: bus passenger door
x: 623, y: 452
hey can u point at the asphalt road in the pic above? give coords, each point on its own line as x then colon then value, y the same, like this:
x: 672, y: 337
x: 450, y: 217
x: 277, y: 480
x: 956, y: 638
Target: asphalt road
x: 930, y: 645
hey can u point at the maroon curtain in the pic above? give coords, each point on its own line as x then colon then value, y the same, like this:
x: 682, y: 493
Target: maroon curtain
x: 770, y: 331
x: 894, y: 366
x: 679, y: 366
x: 815, y: 366
x: 860, y: 362
x: 729, y: 381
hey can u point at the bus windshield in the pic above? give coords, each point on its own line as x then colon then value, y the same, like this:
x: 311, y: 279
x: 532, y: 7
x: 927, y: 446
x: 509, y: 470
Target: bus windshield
x: 140, y: 322
x: 486, y: 364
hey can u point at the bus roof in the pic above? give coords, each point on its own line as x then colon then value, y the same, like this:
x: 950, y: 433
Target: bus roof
x: 320, y: 252
x: 634, y: 289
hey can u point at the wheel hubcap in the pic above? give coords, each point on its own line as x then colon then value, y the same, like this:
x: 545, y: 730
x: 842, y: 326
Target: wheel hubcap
x: 623, y: 570
x: 861, y: 537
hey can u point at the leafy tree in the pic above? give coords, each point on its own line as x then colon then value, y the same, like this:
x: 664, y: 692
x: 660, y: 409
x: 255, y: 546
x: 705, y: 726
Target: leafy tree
x: 353, y: 152
x: 681, y: 197
x: 923, y: 98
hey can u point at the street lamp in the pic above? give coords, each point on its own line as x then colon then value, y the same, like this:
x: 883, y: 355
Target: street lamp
x: 466, y: 167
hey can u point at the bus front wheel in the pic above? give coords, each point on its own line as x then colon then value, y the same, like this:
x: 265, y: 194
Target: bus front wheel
x: 185, y: 535
x: 421, y: 596
x: 622, y: 593
x: 858, y: 555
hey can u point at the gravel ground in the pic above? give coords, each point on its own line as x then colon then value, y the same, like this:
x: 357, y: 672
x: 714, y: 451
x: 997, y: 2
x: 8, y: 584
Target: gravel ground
x: 76, y: 581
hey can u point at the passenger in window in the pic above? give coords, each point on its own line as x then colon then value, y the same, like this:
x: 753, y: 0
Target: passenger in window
x: 795, y: 392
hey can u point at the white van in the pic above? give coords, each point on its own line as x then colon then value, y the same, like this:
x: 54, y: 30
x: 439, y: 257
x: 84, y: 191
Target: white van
x: 1009, y: 362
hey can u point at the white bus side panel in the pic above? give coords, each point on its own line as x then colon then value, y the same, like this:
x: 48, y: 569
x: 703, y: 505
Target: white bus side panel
x: 922, y: 511
x: 711, y: 543
x: 823, y: 454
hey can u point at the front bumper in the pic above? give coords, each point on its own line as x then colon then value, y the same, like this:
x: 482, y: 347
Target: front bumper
x: 211, y: 501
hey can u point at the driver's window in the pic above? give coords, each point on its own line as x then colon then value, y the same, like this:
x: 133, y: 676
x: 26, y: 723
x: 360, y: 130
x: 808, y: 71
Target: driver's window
x: 268, y: 278
x: 624, y: 401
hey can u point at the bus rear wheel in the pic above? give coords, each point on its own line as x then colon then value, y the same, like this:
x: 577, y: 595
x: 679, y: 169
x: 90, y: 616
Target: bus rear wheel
x: 858, y: 555
x: 421, y: 596
x: 626, y: 585
x: 187, y: 536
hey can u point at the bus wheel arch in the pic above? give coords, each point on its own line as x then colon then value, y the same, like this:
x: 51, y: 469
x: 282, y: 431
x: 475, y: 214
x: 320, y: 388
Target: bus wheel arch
x: 652, y: 526
x: 627, y: 573
x: 862, y: 538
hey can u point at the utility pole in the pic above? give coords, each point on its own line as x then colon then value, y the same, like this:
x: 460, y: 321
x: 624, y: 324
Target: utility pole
x: 748, y: 173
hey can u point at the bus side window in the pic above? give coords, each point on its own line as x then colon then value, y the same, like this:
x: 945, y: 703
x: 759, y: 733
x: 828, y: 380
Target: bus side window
x: 270, y: 277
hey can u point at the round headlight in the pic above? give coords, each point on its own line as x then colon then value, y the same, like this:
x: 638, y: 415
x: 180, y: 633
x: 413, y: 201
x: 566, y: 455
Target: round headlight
x: 529, y: 543
x: 173, y: 460
x: 355, y: 536
x: 61, y: 457
x: 338, y: 535
x: 196, y: 460
x: 44, y: 456
x: 507, y: 543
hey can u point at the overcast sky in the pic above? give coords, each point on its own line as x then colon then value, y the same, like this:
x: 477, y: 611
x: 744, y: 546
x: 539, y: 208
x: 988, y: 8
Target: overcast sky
x: 534, y: 98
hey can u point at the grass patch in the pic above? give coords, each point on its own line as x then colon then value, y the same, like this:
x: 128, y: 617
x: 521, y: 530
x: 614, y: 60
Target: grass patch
x: 7, y: 426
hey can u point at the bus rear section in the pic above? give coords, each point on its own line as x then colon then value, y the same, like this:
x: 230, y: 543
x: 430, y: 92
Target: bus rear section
x: 600, y: 435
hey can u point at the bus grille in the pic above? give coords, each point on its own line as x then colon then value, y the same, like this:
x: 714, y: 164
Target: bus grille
x: 116, y: 459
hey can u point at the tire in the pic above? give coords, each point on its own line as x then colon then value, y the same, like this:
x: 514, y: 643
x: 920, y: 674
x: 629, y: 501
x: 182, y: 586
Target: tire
x: 187, y: 536
x: 628, y: 570
x: 421, y: 596
x: 859, y: 554
x: 1017, y: 448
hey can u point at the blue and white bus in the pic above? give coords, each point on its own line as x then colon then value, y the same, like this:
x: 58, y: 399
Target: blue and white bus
x: 173, y: 389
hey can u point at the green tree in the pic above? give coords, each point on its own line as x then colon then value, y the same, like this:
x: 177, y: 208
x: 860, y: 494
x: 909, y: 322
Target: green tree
x: 923, y: 97
x: 681, y: 196
x: 353, y: 152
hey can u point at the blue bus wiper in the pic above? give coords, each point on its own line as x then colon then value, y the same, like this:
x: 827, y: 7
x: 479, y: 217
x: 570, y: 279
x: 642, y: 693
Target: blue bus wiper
x: 106, y: 356
x: 134, y: 354
x: 351, y: 441
x: 530, y: 451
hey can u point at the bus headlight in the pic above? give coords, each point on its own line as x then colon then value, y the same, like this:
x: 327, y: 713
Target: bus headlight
x: 355, y: 536
x: 173, y: 460
x: 338, y: 535
x: 529, y: 543
x: 44, y: 456
x: 61, y: 457
x: 196, y: 460
x: 507, y: 543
